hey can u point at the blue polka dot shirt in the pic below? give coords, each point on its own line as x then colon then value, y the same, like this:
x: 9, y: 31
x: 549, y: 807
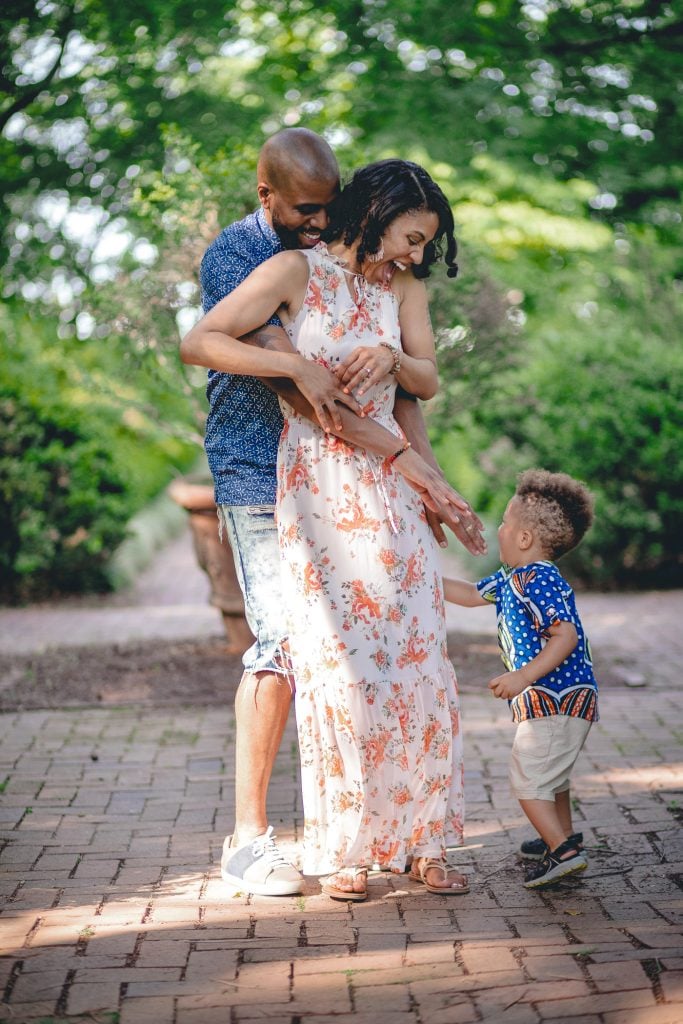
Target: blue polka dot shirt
x: 244, y: 422
x: 528, y: 601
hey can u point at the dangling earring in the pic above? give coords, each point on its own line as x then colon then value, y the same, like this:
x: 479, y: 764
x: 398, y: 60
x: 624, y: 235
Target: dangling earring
x: 377, y: 257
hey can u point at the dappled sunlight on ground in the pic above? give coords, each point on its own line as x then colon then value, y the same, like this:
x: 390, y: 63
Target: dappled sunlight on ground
x: 113, y: 827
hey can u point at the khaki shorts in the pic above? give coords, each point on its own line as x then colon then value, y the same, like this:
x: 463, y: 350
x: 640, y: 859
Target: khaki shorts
x: 543, y: 755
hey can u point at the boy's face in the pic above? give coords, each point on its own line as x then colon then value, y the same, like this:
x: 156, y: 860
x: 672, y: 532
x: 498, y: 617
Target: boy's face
x: 509, y: 535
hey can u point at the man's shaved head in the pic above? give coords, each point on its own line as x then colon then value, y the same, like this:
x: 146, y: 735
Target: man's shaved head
x: 298, y: 180
x: 296, y: 154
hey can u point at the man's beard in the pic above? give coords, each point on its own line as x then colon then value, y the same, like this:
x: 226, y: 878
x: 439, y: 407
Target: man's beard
x: 289, y: 237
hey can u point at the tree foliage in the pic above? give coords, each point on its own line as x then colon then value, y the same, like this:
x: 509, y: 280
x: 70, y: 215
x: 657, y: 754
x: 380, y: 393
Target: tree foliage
x: 570, y: 89
x: 130, y: 133
x: 73, y: 466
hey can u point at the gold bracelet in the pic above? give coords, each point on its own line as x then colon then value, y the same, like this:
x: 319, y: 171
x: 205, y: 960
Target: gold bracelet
x: 396, y: 352
x: 404, y: 448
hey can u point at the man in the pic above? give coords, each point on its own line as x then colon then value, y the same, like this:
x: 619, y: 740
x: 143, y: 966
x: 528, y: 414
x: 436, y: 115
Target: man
x: 298, y: 180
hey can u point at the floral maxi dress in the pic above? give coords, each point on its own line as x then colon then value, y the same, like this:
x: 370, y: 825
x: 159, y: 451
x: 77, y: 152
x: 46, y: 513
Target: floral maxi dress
x: 376, y: 698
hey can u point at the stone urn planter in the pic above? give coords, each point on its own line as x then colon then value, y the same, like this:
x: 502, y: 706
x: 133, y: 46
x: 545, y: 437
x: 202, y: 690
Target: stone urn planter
x: 195, y: 495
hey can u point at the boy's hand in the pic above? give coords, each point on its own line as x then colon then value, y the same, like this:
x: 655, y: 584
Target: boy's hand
x: 509, y: 685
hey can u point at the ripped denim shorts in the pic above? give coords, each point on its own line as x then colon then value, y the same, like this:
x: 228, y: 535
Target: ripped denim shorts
x: 252, y: 534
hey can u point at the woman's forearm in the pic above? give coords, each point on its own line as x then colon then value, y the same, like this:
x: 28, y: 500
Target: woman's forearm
x: 366, y: 433
x: 360, y: 431
x: 418, y: 376
x: 409, y: 416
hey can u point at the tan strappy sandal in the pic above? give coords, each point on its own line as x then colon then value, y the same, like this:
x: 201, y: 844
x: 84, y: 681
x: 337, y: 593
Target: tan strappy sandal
x: 418, y: 873
x: 335, y: 893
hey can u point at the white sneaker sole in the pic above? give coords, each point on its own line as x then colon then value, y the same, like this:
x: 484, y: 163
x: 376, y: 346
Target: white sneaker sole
x: 275, y: 888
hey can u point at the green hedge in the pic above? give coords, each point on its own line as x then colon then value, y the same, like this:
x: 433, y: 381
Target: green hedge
x: 64, y: 503
x: 606, y: 408
x: 75, y: 463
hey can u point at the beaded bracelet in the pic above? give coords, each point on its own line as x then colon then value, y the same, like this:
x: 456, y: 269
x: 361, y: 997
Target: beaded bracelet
x: 404, y: 448
x: 396, y: 352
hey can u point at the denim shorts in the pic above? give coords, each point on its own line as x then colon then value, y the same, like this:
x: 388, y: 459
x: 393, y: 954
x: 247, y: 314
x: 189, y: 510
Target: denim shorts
x: 252, y: 534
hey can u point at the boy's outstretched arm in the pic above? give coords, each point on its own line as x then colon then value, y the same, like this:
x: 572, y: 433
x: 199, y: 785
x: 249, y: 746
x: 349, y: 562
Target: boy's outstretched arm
x: 462, y: 592
x: 562, y: 642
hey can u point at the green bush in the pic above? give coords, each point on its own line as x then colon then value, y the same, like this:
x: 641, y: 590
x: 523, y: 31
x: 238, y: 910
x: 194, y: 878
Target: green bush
x: 64, y: 505
x: 608, y: 409
x: 75, y: 464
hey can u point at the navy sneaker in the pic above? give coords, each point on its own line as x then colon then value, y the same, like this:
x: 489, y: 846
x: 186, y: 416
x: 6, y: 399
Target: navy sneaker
x: 553, y: 867
x: 537, y: 849
x: 259, y: 868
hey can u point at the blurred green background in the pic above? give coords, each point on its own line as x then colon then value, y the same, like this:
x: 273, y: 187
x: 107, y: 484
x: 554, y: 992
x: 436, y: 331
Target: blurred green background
x: 129, y: 138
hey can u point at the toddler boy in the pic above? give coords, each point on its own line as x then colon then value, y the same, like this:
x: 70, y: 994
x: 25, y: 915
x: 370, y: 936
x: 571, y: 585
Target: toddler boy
x: 549, y: 681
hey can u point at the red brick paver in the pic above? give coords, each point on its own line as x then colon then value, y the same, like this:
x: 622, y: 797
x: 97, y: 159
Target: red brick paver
x: 111, y: 824
x: 127, y: 913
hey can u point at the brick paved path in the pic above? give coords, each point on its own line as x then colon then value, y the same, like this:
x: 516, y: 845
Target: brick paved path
x: 113, y: 909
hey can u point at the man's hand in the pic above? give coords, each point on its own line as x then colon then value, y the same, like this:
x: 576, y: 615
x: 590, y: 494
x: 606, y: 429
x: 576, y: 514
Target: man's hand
x: 322, y: 389
x: 509, y: 685
x: 318, y: 385
x: 435, y: 526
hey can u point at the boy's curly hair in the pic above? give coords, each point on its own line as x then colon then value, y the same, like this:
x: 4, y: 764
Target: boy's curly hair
x: 559, y: 508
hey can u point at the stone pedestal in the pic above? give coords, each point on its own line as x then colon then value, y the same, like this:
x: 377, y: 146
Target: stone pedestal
x: 214, y: 557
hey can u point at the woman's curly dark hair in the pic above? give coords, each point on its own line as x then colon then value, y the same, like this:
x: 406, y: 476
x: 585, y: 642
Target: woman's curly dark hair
x: 558, y: 507
x: 379, y: 193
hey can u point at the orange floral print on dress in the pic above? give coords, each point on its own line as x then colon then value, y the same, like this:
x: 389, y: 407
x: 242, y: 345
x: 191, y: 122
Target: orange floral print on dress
x: 338, y: 444
x: 362, y: 605
x: 413, y: 573
x: 312, y: 579
x: 414, y: 653
x: 299, y: 475
x: 388, y: 557
x: 355, y: 517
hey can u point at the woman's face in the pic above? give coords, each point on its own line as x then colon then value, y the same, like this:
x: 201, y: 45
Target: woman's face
x: 405, y: 239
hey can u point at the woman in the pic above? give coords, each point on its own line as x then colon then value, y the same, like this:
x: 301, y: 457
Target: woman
x: 377, y: 706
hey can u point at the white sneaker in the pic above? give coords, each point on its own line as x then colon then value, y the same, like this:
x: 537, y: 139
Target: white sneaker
x: 259, y: 868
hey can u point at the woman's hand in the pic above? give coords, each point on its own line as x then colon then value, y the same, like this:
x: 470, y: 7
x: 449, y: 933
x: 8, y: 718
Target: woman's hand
x: 443, y: 504
x: 468, y: 528
x: 439, y: 496
x: 364, y: 367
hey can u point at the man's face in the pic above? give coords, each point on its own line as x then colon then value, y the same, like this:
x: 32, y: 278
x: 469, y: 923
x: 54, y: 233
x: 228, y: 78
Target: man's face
x: 299, y: 212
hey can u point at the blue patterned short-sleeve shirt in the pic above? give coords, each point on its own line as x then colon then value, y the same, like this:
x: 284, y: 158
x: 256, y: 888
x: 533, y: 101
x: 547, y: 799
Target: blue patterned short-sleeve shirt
x: 244, y: 422
x: 528, y: 600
